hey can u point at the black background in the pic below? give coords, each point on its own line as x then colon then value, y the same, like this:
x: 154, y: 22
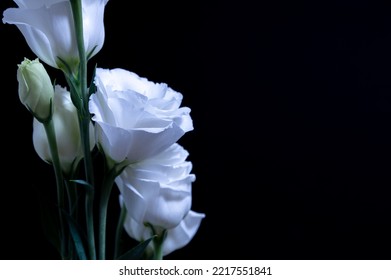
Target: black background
x: 291, y: 104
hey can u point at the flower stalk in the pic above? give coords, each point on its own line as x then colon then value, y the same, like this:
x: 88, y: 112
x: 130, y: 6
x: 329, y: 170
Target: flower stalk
x: 108, y: 181
x: 51, y: 136
x: 158, y: 242
x: 84, y: 122
x: 158, y: 246
x: 118, y: 232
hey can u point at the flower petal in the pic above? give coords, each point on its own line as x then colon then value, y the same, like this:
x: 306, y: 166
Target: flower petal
x: 181, y: 235
x: 113, y: 141
x: 41, y: 28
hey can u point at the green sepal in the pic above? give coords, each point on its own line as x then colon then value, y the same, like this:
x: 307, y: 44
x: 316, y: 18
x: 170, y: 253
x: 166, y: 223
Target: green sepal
x: 76, y: 237
x: 74, y: 91
x: 112, y: 169
x: 92, y: 88
x: 109, y: 178
x: 117, y: 169
x: 43, y: 120
x: 136, y: 253
x: 66, y: 67
x: 89, y: 55
x: 74, y: 168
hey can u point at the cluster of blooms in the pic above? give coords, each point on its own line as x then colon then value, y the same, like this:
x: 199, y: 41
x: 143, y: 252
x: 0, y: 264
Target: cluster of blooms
x: 133, y: 122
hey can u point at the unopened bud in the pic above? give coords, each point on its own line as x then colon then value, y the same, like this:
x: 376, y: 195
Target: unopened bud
x: 35, y: 88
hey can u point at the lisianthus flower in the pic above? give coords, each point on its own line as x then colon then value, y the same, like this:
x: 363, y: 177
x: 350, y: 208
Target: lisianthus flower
x: 135, y: 118
x: 48, y: 27
x: 66, y: 126
x: 176, y: 238
x: 158, y: 190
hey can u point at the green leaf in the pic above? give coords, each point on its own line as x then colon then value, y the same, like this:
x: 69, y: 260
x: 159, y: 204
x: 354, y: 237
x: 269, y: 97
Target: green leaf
x: 87, y: 185
x: 136, y: 252
x: 76, y: 237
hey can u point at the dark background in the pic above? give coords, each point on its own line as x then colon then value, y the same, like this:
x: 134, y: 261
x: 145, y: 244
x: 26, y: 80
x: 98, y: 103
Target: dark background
x: 291, y: 104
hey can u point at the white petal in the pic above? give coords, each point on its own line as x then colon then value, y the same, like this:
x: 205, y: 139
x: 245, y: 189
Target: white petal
x: 168, y: 209
x: 136, y: 203
x: 181, y: 235
x: 40, y: 141
x: 98, y: 106
x: 146, y: 144
x: 135, y: 230
x: 173, y: 155
x: 119, y: 79
x: 93, y: 27
x: 113, y: 140
x: 36, y: 39
x: 148, y: 201
x: 36, y: 3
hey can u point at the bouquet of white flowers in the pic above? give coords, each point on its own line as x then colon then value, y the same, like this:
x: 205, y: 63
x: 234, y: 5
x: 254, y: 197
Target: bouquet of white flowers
x: 133, y: 123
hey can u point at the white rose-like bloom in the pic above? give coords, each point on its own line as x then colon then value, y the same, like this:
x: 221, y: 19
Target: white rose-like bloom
x: 48, y: 27
x: 135, y: 118
x: 176, y: 238
x: 66, y: 125
x: 158, y: 190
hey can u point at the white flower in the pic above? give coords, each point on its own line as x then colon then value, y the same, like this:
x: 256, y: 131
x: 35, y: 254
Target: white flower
x: 135, y: 118
x: 66, y: 125
x: 35, y: 88
x: 158, y: 190
x: 48, y: 28
x: 176, y: 238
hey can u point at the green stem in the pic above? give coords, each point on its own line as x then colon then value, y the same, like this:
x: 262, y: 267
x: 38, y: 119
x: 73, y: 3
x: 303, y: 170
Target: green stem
x: 108, y: 182
x: 119, y: 231
x: 73, y: 199
x: 157, y: 242
x: 114, y: 169
x: 84, y: 123
x: 90, y: 193
x: 78, y: 20
x: 51, y: 136
x: 158, y: 245
x: 82, y: 79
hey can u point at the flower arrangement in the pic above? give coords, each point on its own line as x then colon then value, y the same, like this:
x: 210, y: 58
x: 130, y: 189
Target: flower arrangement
x: 132, y: 123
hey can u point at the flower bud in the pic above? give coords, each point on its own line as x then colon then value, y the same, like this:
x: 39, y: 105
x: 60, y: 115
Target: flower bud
x: 35, y: 88
x: 66, y: 125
